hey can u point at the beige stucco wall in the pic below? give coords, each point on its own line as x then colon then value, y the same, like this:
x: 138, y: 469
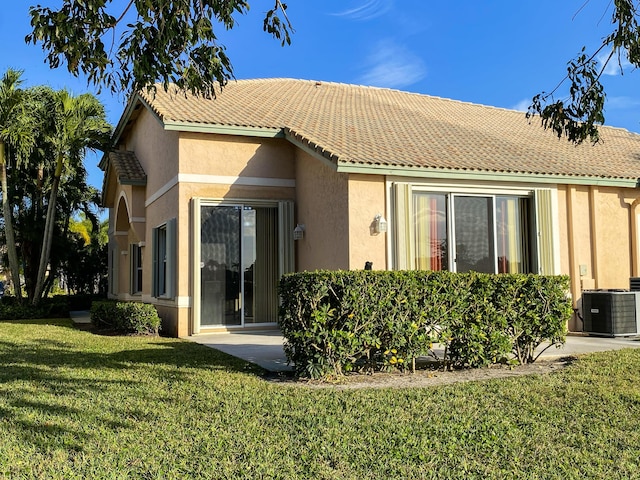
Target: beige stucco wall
x: 612, y: 264
x: 595, y: 230
x: 322, y: 205
x: 224, y: 155
x: 211, y: 163
x: 156, y: 149
x: 367, y: 198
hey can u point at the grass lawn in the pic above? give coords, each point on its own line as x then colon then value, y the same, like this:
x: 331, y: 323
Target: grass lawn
x: 78, y: 405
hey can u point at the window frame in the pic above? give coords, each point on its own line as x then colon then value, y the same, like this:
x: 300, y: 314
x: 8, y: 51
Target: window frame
x: 136, y: 268
x: 541, y: 211
x: 164, y: 260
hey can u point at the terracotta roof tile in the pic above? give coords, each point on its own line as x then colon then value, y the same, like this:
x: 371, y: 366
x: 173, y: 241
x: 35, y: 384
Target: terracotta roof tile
x: 376, y: 126
x: 127, y: 168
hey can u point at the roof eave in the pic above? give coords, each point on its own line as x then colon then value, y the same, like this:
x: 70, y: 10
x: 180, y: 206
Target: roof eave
x: 135, y: 102
x: 461, y: 174
x: 135, y: 183
x: 246, y: 131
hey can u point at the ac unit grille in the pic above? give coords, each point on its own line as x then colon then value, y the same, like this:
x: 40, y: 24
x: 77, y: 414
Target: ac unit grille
x: 610, y: 313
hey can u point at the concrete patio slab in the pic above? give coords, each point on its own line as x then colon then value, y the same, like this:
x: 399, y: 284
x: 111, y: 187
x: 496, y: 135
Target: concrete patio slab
x: 265, y: 348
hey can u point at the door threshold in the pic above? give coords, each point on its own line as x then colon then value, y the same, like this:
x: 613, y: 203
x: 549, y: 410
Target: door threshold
x: 239, y: 329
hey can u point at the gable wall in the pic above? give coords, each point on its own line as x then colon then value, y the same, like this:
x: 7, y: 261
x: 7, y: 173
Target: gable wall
x: 234, y: 156
x: 322, y: 205
x: 213, y: 167
x: 156, y: 149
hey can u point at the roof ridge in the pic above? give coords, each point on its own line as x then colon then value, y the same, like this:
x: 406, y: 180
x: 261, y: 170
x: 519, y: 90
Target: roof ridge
x: 404, y: 92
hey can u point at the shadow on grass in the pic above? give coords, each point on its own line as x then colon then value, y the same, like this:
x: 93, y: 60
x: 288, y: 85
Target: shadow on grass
x: 50, y: 378
x: 58, y: 322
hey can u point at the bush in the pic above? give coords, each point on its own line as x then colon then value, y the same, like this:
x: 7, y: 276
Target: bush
x: 126, y: 317
x: 55, y: 307
x: 339, y: 321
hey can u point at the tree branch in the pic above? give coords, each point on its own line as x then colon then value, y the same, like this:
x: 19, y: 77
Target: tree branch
x: 113, y: 25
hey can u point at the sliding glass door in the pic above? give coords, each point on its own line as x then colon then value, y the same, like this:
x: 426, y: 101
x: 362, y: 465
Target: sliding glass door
x: 482, y: 233
x: 238, y: 265
x: 473, y: 228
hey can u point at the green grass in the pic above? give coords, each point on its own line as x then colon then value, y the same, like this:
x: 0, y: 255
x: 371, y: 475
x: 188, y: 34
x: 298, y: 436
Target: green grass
x: 77, y: 405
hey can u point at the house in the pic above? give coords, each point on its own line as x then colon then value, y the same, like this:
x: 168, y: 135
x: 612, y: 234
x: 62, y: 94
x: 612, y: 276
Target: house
x: 205, y: 196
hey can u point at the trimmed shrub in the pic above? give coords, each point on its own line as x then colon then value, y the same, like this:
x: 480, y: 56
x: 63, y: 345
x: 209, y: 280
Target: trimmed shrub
x: 14, y: 311
x: 126, y: 317
x: 53, y: 307
x: 339, y: 321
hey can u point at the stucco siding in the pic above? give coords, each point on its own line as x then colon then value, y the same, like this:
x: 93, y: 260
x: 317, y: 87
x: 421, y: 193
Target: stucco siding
x: 156, y: 150
x: 598, y: 246
x: 366, y: 200
x: 322, y: 198
x: 224, y: 155
x: 596, y: 238
x: 612, y: 238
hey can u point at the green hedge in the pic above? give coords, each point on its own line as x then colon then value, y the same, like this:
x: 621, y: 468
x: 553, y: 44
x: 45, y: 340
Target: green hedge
x: 56, y: 306
x: 339, y: 321
x: 51, y: 307
x: 127, y: 317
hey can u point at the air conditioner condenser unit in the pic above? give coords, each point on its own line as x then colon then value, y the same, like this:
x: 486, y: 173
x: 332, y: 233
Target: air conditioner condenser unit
x: 611, y: 313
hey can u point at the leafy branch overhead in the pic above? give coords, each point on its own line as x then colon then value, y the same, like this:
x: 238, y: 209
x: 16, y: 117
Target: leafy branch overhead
x: 146, y: 41
x: 577, y: 116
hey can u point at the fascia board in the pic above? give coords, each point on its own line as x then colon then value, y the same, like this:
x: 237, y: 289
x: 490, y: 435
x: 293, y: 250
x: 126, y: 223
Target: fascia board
x: 313, y: 152
x: 480, y: 175
x: 263, y: 132
x: 126, y: 115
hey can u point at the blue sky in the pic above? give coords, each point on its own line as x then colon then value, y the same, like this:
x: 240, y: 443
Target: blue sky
x: 497, y: 53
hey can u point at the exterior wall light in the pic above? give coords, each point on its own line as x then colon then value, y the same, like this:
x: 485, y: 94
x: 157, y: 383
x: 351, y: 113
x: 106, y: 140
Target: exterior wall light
x: 298, y: 232
x: 379, y: 224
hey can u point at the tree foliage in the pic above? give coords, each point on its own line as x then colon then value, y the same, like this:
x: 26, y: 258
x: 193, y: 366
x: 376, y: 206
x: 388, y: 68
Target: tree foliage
x: 577, y: 116
x: 16, y: 142
x: 84, y: 263
x: 45, y: 184
x: 134, y: 44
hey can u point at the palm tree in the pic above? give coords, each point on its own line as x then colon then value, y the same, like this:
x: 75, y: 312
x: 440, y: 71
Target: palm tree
x: 80, y: 124
x: 16, y: 137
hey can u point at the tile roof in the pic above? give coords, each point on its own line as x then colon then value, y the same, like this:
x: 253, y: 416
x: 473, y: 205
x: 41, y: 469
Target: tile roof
x: 370, y: 126
x: 127, y: 168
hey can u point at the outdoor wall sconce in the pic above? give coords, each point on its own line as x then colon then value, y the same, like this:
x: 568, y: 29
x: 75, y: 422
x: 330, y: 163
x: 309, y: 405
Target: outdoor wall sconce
x: 379, y: 224
x: 298, y: 232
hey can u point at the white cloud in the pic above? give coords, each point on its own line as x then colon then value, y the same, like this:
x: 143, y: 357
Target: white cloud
x: 622, y: 103
x: 392, y: 66
x: 367, y: 10
x: 522, y: 105
x: 615, y: 63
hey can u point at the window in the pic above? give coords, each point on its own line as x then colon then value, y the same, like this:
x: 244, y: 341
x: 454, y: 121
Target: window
x: 513, y: 234
x: 164, y: 251
x: 430, y: 220
x: 491, y: 233
x: 114, y: 257
x: 473, y: 228
x: 136, y: 269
